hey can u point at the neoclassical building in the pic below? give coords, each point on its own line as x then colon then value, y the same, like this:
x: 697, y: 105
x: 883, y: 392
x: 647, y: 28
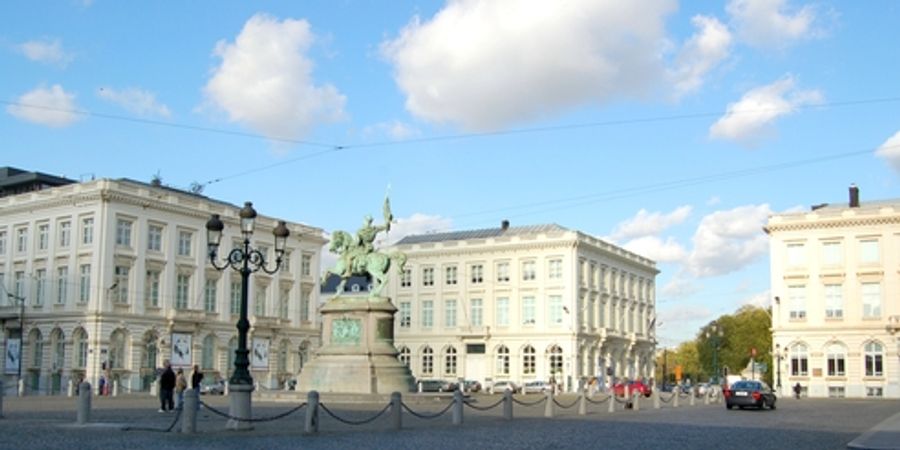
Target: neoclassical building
x: 835, y: 280
x: 523, y: 303
x: 115, y: 280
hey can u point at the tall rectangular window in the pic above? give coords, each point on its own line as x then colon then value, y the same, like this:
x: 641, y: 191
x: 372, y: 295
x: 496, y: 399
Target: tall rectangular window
x: 477, y: 271
x: 305, y: 264
x: 284, y: 303
x: 834, y: 301
x: 43, y: 236
x: 835, y: 360
x: 405, y: 314
x: 871, y: 300
x: 2, y: 243
x: 40, y: 279
x: 84, y: 283
x: 406, y: 278
x: 428, y: 276
x: 19, y: 283
x: 832, y: 253
x: 87, y: 231
x: 796, y: 255
x: 868, y: 251
x: 427, y: 313
x: 209, y: 295
x: 259, y: 304
x: 304, y: 305
x: 476, y: 315
x: 21, y: 240
x: 528, y: 310
x: 182, y: 290
x: 451, y: 273
x: 235, y: 304
x: 556, y: 309
x: 449, y: 313
x: 554, y: 269
x: 65, y: 234
x: 185, y: 239
x: 797, y: 301
x: 151, y: 290
x: 529, y: 271
x: 503, y: 312
x: 120, y: 289
x: 503, y: 272
x: 123, y: 232
x: 62, y: 285
x: 154, y: 238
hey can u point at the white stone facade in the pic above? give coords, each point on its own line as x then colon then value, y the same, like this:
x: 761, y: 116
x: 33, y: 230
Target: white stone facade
x: 835, y: 280
x: 112, y: 270
x: 522, y: 304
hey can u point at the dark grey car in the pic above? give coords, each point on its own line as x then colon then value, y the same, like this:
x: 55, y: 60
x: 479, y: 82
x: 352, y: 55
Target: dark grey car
x: 750, y: 393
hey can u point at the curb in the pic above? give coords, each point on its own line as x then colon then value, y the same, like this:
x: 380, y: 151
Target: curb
x: 884, y: 436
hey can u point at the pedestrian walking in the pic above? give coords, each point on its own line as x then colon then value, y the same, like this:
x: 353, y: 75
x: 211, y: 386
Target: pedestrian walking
x: 166, y: 388
x: 797, y: 390
x: 101, y: 386
x: 196, y: 379
x: 180, y: 386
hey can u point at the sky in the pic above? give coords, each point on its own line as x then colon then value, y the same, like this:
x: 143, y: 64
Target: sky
x: 673, y: 129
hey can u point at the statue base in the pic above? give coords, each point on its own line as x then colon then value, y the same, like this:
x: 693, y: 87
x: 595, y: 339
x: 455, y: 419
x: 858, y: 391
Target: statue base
x: 358, y: 354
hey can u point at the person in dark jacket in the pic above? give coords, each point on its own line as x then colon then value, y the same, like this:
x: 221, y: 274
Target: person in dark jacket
x: 196, y: 379
x: 167, y: 389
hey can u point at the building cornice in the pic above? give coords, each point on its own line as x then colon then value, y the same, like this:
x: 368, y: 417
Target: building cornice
x: 832, y: 223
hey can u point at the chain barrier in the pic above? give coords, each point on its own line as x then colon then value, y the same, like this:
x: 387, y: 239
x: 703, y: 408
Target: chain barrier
x: 482, y: 408
x: 426, y: 416
x: 537, y: 402
x: 598, y: 402
x: 253, y: 420
x: 355, y: 422
x: 671, y: 397
x: 159, y: 430
x: 575, y: 402
x: 622, y: 401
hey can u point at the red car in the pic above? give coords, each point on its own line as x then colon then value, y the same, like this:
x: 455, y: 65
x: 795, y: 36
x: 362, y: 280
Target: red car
x: 636, y: 386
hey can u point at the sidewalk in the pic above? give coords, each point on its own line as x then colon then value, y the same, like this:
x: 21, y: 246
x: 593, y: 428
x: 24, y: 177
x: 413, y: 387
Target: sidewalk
x: 884, y: 436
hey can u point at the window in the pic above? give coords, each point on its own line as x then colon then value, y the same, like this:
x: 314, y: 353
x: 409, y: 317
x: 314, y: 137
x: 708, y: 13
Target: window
x: 427, y: 313
x: 871, y: 300
x: 797, y: 301
x: 152, y: 288
x: 836, y: 392
x: 259, y: 303
x: 235, y: 304
x: 117, y: 350
x: 427, y: 361
x: 286, y: 263
x: 874, y: 391
x: 428, y: 276
x: 554, y: 269
x: 556, y: 310
x: 796, y: 255
x: 451, y: 273
x: 80, y: 342
x: 84, y: 283
x: 87, y: 231
x: 123, y: 232
x: 305, y: 264
x: 65, y: 234
x: 556, y: 360
x: 120, y: 286
x: 503, y: 272
x: 502, y: 360
x: 21, y: 240
x: 502, y: 312
x: 209, y: 295
x: 405, y: 314
x: 207, y: 359
x: 868, y: 251
x: 450, y: 361
x: 529, y: 272
x: 528, y: 312
x: 873, y: 359
x: 2, y: 243
x: 304, y: 305
x: 476, y: 315
x: 477, y: 273
x: 184, y: 243
x: 43, y: 236
x: 40, y: 282
x: 62, y: 285
x: 832, y: 254
x: 283, y: 302
x: 835, y: 359
x: 449, y: 313
x: 834, y: 301
x: 406, y: 278
x: 799, y: 361
x: 37, y: 349
x: 182, y: 290
x: 405, y: 355
x: 154, y: 238
x: 529, y: 361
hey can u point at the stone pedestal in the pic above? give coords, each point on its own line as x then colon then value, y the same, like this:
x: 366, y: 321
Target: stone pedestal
x: 240, y: 407
x: 358, y: 354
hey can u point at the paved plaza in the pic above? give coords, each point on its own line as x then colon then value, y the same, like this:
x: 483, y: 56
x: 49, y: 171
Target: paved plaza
x: 49, y: 423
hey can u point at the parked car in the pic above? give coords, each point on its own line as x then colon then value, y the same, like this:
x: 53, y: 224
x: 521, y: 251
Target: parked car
x: 212, y: 387
x: 500, y: 386
x: 702, y: 389
x: 537, y: 386
x: 472, y: 385
x: 449, y: 386
x: 749, y: 393
x: 636, y: 386
x: 431, y: 385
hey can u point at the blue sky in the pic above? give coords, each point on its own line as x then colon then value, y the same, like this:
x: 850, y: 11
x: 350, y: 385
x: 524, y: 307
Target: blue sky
x: 670, y: 128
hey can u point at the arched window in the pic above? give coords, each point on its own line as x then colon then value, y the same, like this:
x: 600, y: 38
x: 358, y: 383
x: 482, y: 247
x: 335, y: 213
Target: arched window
x: 151, y: 351
x: 232, y: 347
x: 117, y: 350
x: 835, y: 355
x: 556, y: 360
x: 427, y: 361
x: 450, y: 361
x: 874, y: 357
x: 799, y: 360
x: 58, y: 343
x: 529, y: 361
x: 208, y: 355
x: 302, y: 355
x: 502, y: 360
x: 80, y: 344
x: 404, y: 355
x: 283, y: 356
x: 37, y: 348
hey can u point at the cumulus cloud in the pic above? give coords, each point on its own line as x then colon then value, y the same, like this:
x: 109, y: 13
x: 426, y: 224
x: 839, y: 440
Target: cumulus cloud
x: 890, y: 151
x: 679, y: 286
x: 135, y: 100
x: 486, y: 64
x: 645, y: 223
x: 265, y: 80
x: 752, y: 117
x: 394, y: 130
x: 727, y: 241
x: 47, y: 51
x: 771, y: 23
x: 706, y: 49
x: 53, y: 107
x: 657, y: 249
x: 418, y: 223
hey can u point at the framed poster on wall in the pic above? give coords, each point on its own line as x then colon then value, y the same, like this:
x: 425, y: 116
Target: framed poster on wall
x: 181, y: 350
x: 259, y: 354
x: 13, y: 356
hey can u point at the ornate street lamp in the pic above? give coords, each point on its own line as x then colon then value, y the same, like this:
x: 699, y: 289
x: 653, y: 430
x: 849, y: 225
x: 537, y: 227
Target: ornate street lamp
x: 714, y: 336
x: 778, y: 355
x: 246, y: 260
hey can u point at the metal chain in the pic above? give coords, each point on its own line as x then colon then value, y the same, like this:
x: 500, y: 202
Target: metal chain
x: 160, y: 430
x: 598, y: 402
x: 261, y: 419
x: 354, y: 422
x: 519, y: 402
x: 426, y: 416
x: 621, y: 401
x: 562, y: 406
x: 671, y: 397
x: 483, y: 408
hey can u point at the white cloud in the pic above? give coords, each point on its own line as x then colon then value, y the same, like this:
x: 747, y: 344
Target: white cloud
x: 771, y: 23
x: 890, y: 151
x: 137, y: 101
x: 53, y: 107
x: 394, y: 130
x: 418, y: 223
x: 760, y: 299
x: 265, y: 80
x: 705, y: 50
x: 486, y: 64
x: 656, y: 249
x: 678, y: 286
x: 727, y: 241
x: 646, y: 223
x: 684, y: 314
x: 47, y: 51
x: 751, y: 118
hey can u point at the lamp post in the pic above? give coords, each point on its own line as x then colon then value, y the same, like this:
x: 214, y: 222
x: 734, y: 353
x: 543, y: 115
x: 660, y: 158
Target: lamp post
x: 778, y: 368
x: 246, y: 260
x: 714, y: 336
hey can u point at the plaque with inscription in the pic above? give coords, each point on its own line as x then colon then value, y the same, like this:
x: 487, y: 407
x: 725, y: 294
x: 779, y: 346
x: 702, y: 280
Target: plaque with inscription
x: 345, y: 331
x: 385, y: 330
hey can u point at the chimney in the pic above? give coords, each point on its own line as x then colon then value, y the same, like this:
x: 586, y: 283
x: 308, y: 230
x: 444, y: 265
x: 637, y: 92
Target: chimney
x: 854, y: 196
x: 504, y: 225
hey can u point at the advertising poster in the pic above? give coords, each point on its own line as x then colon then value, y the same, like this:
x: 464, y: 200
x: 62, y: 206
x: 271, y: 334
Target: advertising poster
x: 13, y: 356
x: 259, y: 354
x: 181, y: 350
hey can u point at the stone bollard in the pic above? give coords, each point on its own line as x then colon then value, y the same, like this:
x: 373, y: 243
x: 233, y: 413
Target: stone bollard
x: 675, y: 395
x: 508, y: 405
x: 706, y: 397
x: 396, y: 411
x: 311, y: 426
x: 115, y: 390
x: 70, y: 391
x: 582, y: 403
x: 692, y: 402
x: 457, y: 407
x: 21, y: 387
x: 189, y: 411
x: 656, y: 404
x: 636, y: 395
x: 84, y: 403
x: 420, y: 387
x: 225, y: 391
x: 612, y: 401
x: 154, y: 389
x: 548, y: 406
x: 629, y: 398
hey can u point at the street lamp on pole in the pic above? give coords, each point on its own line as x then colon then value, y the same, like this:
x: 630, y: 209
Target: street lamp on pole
x: 246, y: 260
x: 778, y: 368
x: 714, y: 336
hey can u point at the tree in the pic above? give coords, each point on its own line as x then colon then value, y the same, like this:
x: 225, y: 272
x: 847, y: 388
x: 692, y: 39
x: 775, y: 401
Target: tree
x: 748, y: 328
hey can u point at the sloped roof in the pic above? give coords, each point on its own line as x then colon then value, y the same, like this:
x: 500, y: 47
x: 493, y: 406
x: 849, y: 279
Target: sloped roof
x: 484, y: 233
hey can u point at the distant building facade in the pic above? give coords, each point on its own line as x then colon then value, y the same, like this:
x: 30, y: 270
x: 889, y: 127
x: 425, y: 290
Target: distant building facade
x: 17, y: 181
x: 115, y: 280
x: 835, y: 280
x: 524, y: 303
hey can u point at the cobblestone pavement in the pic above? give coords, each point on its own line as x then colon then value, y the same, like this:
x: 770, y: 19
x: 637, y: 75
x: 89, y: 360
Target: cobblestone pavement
x: 48, y: 422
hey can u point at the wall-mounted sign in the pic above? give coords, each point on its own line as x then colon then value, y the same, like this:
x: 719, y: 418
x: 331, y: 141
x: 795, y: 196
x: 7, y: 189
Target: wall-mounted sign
x: 13, y: 356
x: 181, y: 350
x: 259, y: 353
